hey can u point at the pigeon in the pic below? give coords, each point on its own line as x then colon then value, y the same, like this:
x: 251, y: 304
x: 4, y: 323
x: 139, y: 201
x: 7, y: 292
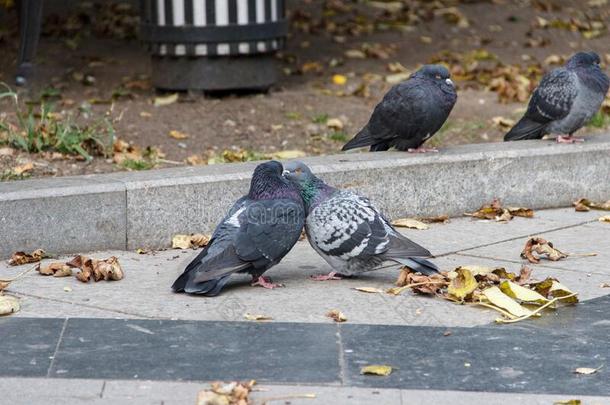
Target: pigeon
x: 259, y: 230
x: 410, y: 113
x: 349, y: 232
x: 565, y: 100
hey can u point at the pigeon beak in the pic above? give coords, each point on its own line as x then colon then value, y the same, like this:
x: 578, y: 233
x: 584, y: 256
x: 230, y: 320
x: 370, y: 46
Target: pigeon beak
x: 449, y: 82
x: 285, y: 173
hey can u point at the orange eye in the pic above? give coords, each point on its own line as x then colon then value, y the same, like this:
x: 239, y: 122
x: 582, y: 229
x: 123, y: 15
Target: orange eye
x: 298, y: 171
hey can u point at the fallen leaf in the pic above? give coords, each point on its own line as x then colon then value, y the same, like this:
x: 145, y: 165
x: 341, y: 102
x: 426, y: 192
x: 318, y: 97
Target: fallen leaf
x: 568, y: 402
x: 376, y: 369
x: 221, y: 393
x: 542, y: 247
x: 502, y: 123
x: 339, y: 79
x: 437, y: 219
x: 107, y: 269
x: 583, y: 202
x: 334, y: 123
x: 256, y: 317
x: 552, y: 288
x: 4, y: 285
x: 602, y: 285
x: 55, y: 269
x: 7, y: 151
x: 521, y: 293
x: 605, y: 218
x: 165, y: 100
x: 397, y: 77
x: 177, y: 134
x: 409, y: 223
x: 9, y: 304
x: 336, y: 315
x: 195, y: 160
x: 200, y: 240
x: 19, y: 258
x: 67, y: 289
x: 24, y: 168
x: 190, y: 241
x: 462, y: 285
x: 368, y: 289
x: 587, y: 370
x: 496, y: 297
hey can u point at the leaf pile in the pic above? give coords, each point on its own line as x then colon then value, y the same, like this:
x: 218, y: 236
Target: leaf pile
x: 221, y: 393
x: 20, y: 258
x: 541, y: 247
x: 495, y: 211
x: 107, y: 269
x: 515, y: 296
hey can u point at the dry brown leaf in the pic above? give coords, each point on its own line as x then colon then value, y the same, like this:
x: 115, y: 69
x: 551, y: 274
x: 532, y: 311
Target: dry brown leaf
x: 19, y: 258
x: 437, y: 219
x: 194, y: 241
x: 177, y: 134
x: 376, y: 369
x: 587, y: 370
x: 409, y: 223
x: 55, y: 269
x: 165, y: 100
x: 4, y: 285
x: 584, y: 204
x: 336, y: 315
x: 542, y: 247
x: 195, y: 160
x: 107, y: 269
x: 605, y: 218
x: 221, y: 393
x: 502, y: 123
x: 24, y: 168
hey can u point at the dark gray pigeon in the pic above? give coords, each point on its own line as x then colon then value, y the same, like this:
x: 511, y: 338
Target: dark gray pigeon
x: 259, y: 230
x: 410, y: 113
x: 565, y: 100
x: 349, y: 232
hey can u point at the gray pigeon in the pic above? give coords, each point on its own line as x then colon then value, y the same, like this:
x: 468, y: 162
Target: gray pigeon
x: 410, y: 113
x: 349, y: 232
x: 259, y: 230
x: 565, y: 100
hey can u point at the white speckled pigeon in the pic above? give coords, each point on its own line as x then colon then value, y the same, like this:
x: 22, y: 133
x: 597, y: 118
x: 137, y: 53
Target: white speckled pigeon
x: 410, y: 112
x: 348, y: 231
x: 259, y: 230
x: 565, y: 100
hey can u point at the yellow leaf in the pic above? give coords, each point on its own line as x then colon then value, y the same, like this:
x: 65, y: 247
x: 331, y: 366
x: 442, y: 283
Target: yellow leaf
x: 165, y: 100
x: 257, y: 317
x: 288, y: 154
x: 605, y: 218
x: 181, y: 241
x: 334, y: 123
x: 587, y: 370
x: 495, y: 296
x: 568, y: 402
x: 397, y: 77
x: 409, y: 223
x: 339, y: 80
x: 514, y: 290
x: 24, y: 168
x: 9, y: 304
x: 376, y: 369
x: 462, y: 285
x: 368, y: 289
x: 177, y: 134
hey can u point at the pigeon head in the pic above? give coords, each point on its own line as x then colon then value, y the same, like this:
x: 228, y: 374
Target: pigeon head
x: 437, y: 73
x: 311, y: 187
x: 268, y: 182
x: 583, y: 59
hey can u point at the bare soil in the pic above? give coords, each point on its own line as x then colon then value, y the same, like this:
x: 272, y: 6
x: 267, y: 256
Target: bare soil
x: 283, y: 118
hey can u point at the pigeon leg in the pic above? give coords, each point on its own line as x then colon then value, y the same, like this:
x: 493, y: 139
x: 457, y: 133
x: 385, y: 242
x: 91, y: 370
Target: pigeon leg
x: 568, y: 139
x: 333, y: 275
x: 422, y: 150
x: 264, y: 282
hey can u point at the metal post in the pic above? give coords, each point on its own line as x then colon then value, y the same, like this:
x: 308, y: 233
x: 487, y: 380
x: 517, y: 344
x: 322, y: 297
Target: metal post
x: 30, y: 21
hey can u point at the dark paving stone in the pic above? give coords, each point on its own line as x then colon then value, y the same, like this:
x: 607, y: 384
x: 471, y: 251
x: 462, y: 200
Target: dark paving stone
x: 182, y: 350
x: 494, y: 358
x: 26, y: 345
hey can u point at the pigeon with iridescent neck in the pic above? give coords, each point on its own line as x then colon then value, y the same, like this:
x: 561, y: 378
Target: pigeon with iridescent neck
x: 259, y: 230
x: 410, y: 113
x: 566, y: 99
x: 349, y: 232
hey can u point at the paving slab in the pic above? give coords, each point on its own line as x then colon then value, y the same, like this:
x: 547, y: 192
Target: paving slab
x: 593, y: 237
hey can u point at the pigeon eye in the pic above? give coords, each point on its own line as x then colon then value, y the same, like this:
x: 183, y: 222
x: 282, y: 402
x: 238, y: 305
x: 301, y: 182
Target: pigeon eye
x: 298, y: 170
x: 438, y: 77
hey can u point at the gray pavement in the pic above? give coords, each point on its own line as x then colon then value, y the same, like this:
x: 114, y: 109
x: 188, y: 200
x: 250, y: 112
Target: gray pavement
x: 145, y: 294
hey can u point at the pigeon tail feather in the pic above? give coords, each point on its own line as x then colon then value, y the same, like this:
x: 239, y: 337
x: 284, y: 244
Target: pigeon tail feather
x: 525, y: 129
x: 362, y: 138
x: 420, y: 265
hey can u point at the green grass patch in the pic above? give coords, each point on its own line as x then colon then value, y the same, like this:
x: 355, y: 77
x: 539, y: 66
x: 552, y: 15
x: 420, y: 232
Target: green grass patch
x: 320, y: 119
x: 338, y: 136
x: 142, y: 164
x: 599, y: 120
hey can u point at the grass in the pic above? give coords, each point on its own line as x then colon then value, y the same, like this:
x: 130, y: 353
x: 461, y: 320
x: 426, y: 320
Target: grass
x: 38, y: 130
x: 142, y: 164
x: 338, y: 136
x: 11, y: 175
x: 599, y: 120
x: 320, y: 119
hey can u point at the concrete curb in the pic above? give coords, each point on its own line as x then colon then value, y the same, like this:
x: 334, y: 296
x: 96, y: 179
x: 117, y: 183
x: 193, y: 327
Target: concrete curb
x: 143, y: 209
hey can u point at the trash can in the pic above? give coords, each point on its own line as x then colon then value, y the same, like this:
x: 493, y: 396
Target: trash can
x: 213, y: 44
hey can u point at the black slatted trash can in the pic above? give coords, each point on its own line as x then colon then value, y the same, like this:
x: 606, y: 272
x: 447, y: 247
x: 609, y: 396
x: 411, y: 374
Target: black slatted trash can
x: 213, y: 44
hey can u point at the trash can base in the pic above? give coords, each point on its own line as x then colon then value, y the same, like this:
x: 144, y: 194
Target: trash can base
x: 243, y: 72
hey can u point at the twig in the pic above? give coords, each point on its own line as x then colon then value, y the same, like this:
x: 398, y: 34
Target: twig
x: 18, y: 276
x: 581, y: 254
x: 535, y: 312
x: 171, y: 162
x: 399, y: 290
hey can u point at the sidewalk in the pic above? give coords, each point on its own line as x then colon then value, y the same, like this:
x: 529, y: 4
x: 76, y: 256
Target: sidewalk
x: 118, y: 335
